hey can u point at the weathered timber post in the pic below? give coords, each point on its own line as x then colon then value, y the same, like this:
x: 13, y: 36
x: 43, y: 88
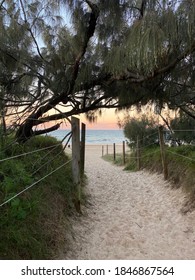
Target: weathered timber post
x: 102, y: 151
x: 107, y: 149
x: 163, y: 154
x: 138, y: 154
x: 114, y: 151
x: 124, y: 152
x: 83, y: 130
x: 75, y: 123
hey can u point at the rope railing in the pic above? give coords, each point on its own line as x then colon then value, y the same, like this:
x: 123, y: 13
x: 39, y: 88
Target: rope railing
x: 53, y: 147
x: 148, y: 154
x: 53, y: 157
x: 184, y: 130
x: 180, y: 155
x: 138, y: 154
x: 35, y: 151
x: 31, y: 152
x: 145, y: 146
x: 76, y: 164
x: 35, y: 183
x: 148, y: 136
x: 151, y: 153
x: 51, y: 151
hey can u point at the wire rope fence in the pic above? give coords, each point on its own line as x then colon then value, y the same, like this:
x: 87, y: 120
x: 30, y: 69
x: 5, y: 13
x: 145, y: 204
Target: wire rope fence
x: 140, y: 151
x: 47, y: 162
x: 42, y: 162
x: 35, y: 183
x: 179, y: 155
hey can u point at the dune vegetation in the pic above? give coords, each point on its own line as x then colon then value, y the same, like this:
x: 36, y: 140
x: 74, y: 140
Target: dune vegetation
x: 34, y: 224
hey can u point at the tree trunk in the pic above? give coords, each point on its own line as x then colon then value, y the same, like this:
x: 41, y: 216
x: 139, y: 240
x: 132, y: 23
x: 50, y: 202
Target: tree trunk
x: 4, y: 125
x: 25, y: 131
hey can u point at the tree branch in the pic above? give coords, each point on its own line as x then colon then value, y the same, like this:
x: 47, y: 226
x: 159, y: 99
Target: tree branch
x: 189, y: 113
x: 132, y: 77
x: 47, y: 130
x: 25, y: 130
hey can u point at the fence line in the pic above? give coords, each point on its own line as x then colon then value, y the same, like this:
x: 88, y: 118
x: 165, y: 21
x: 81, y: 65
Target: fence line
x: 38, y: 150
x: 180, y: 155
x: 143, y: 147
x: 134, y: 157
x: 148, y: 136
x: 144, y: 155
x: 53, y: 157
x: 35, y: 183
x: 149, y: 154
x: 184, y: 130
x: 70, y: 133
x: 75, y: 161
x: 28, y: 153
x: 163, y: 150
x: 129, y: 156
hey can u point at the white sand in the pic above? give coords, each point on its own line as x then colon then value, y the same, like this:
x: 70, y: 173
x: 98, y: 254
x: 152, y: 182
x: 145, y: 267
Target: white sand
x: 130, y: 215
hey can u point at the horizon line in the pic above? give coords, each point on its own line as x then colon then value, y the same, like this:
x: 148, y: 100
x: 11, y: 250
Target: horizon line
x: 92, y: 129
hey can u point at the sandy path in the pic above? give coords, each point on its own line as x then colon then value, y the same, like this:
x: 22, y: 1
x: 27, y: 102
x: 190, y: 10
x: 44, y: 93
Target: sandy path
x: 130, y: 216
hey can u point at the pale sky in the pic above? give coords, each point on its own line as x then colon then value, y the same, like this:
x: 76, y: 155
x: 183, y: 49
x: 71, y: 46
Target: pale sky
x: 108, y: 120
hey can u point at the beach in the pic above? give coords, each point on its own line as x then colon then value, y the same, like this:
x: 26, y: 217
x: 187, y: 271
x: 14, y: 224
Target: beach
x: 129, y: 215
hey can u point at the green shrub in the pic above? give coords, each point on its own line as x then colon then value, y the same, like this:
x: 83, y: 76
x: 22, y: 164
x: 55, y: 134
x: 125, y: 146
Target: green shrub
x: 32, y: 224
x: 181, y: 168
x: 145, y: 128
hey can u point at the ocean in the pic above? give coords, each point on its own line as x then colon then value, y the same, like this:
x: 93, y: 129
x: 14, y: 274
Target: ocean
x: 95, y: 136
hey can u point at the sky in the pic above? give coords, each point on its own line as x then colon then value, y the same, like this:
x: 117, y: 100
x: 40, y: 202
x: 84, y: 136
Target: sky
x: 107, y: 121
x: 109, y: 118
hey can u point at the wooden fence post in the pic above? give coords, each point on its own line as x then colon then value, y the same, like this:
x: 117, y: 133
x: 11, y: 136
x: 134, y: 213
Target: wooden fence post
x: 138, y: 154
x: 114, y: 151
x: 107, y: 149
x: 102, y: 151
x: 75, y: 122
x: 163, y: 154
x: 124, y: 152
x: 83, y: 130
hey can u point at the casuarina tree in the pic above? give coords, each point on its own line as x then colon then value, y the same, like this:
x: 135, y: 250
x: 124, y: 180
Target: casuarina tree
x: 62, y: 58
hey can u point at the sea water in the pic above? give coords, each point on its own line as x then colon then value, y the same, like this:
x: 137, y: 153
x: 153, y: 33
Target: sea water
x: 95, y: 136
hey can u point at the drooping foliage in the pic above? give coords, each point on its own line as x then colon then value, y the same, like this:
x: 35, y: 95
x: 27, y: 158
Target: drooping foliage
x: 184, y: 129
x: 88, y: 55
x: 144, y: 130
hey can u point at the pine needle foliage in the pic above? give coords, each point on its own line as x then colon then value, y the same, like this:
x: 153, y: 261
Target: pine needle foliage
x: 93, y: 54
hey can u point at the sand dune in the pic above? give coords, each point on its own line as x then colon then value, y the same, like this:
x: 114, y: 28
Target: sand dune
x: 130, y: 215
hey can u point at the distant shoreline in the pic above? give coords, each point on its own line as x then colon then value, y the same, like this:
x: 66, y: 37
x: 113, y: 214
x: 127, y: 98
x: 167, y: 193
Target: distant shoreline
x: 96, y: 137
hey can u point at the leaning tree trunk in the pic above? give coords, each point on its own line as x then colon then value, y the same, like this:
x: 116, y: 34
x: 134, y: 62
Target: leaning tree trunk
x: 25, y: 131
